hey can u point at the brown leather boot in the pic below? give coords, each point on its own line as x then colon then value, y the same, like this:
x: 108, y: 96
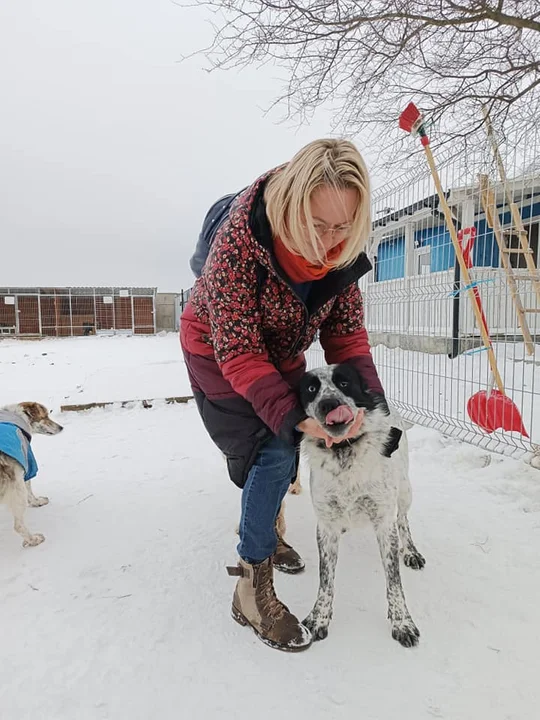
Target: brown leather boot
x: 255, y: 604
x: 287, y: 559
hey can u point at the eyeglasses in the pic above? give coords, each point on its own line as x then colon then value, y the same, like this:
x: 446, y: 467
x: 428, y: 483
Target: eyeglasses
x: 323, y: 229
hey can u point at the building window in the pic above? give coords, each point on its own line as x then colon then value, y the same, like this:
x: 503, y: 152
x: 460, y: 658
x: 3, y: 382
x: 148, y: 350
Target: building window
x: 423, y: 260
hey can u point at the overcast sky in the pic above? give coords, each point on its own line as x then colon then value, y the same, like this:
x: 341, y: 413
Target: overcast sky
x: 111, y: 150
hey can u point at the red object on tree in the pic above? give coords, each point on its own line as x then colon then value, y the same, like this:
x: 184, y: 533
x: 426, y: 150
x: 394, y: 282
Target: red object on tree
x: 409, y: 118
x: 411, y: 121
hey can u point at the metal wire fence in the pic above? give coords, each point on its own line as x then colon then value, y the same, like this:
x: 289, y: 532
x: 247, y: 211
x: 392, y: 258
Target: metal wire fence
x: 425, y: 341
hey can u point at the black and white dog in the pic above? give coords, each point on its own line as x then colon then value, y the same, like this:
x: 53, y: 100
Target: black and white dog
x: 365, y: 477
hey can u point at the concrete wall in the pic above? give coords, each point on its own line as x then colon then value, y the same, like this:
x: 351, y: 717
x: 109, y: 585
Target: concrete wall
x: 166, y: 311
x: 423, y: 343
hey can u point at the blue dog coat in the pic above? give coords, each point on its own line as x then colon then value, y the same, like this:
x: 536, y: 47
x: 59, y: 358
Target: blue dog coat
x: 15, y: 437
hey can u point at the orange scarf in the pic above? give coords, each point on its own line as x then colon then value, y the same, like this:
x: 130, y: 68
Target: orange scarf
x: 300, y: 270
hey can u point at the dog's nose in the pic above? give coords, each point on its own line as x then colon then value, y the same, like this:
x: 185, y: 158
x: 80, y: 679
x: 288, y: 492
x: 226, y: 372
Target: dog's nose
x: 328, y: 404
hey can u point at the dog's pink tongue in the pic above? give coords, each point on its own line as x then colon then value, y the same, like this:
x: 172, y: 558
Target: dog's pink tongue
x: 342, y: 414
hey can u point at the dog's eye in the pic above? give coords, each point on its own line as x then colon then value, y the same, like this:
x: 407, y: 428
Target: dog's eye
x: 343, y: 383
x: 312, y: 389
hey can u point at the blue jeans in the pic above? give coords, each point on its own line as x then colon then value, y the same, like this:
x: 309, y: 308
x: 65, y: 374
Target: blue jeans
x: 265, y: 488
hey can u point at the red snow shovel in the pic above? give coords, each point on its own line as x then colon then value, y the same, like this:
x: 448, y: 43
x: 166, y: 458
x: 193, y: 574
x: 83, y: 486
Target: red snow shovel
x: 494, y: 409
x: 488, y: 409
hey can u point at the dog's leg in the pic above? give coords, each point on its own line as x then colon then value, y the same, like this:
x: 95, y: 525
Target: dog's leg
x: 17, y: 500
x: 281, y: 525
x: 403, y: 628
x: 411, y: 557
x: 34, y: 501
x: 319, y: 618
x: 296, y: 487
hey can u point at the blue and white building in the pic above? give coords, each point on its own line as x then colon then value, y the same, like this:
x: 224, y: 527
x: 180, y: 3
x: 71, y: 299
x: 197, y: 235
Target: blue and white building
x: 410, y: 291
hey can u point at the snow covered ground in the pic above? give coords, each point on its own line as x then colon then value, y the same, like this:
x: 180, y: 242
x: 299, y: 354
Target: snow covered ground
x: 73, y: 371
x: 123, y: 613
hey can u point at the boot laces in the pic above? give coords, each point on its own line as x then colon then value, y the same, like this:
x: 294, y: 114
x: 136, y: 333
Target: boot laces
x: 270, y: 603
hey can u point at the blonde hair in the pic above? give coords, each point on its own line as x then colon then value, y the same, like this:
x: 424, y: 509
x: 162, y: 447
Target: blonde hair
x: 334, y: 163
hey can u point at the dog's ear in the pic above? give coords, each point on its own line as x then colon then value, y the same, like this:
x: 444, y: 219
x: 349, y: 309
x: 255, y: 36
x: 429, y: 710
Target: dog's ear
x: 34, y: 411
x: 380, y: 402
x: 392, y: 442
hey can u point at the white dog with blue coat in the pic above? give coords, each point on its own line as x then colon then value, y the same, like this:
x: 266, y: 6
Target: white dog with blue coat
x: 18, y: 464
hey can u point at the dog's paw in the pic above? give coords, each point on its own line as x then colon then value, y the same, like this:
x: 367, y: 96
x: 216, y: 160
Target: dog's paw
x: 295, y: 489
x: 38, y: 501
x: 34, y: 540
x: 406, y: 633
x: 414, y: 560
x: 317, y: 626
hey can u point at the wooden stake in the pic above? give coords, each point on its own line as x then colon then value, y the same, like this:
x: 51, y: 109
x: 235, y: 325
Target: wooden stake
x: 514, y: 210
x: 487, y: 197
x: 464, y: 269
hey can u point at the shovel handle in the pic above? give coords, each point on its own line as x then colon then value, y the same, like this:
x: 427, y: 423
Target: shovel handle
x: 464, y: 269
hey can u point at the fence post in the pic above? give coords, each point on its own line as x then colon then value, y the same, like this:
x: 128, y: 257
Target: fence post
x: 70, y: 314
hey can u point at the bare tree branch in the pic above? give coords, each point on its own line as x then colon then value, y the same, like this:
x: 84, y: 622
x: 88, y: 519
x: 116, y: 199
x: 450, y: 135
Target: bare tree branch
x: 370, y: 57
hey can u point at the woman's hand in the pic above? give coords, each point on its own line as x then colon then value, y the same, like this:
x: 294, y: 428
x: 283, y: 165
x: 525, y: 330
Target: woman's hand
x: 311, y: 427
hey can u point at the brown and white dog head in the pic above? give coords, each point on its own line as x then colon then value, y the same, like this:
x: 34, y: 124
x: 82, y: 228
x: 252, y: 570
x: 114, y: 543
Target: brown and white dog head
x: 37, y: 417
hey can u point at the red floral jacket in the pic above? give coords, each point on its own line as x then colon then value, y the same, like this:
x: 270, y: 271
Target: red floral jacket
x: 245, y: 329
